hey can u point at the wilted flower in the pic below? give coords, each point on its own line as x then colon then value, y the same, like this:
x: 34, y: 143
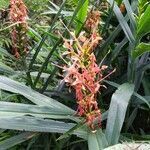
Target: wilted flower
x: 122, y: 7
x: 18, y: 15
x: 93, y: 20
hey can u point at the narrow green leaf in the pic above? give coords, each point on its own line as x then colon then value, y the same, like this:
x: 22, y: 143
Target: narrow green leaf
x: 97, y: 140
x: 4, y: 52
x: 119, y: 1
x: 34, y: 34
x: 51, y: 35
x: 6, y: 69
x: 43, y: 75
x: 10, y: 26
x: 37, y: 37
x: 92, y: 142
x: 9, y: 109
x: 146, y: 85
x: 28, y: 123
x: 69, y: 132
x: 130, y: 14
x: 117, y: 111
x: 123, y: 23
x: 118, y: 48
x: 37, y: 98
x: 138, y: 137
x: 135, y: 94
x: 143, y: 99
x: 140, y: 49
x: 81, y: 16
x: 1, y: 131
x: 144, y: 23
x: 131, y: 118
x: 10, y: 142
x: 53, y: 9
x: 112, y: 36
x: 101, y: 138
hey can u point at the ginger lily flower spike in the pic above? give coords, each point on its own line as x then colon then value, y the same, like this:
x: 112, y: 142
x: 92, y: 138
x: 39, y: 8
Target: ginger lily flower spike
x: 83, y: 74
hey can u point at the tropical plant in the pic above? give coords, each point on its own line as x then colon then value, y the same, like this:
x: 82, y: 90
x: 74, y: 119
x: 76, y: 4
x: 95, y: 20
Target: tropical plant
x: 37, y: 111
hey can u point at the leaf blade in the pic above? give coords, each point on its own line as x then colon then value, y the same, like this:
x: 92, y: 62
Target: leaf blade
x: 37, y: 98
x: 117, y: 112
x: 10, y: 142
x: 123, y: 23
x: 140, y: 49
x: 144, y: 23
x: 33, y: 124
x: 81, y: 16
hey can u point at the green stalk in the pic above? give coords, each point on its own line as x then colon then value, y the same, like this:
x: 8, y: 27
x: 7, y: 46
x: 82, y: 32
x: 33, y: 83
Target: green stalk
x: 49, y: 80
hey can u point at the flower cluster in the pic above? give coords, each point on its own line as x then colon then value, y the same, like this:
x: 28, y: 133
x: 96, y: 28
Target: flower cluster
x: 92, y: 20
x: 82, y: 73
x: 18, y: 16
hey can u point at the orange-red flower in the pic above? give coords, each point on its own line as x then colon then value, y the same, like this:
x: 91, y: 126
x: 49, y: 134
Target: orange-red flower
x: 82, y: 72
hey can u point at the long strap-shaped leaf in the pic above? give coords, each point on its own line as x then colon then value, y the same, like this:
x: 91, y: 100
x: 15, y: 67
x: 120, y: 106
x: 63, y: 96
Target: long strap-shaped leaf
x: 97, y: 140
x: 9, y: 109
x: 6, y: 69
x: 140, y: 49
x: 141, y: 98
x: 4, y: 52
x: 17, y: 139
x: 112, y: 36
x: 144, y: 23
x: 117, y: 111
x: 37, y: 98
x: 122, y: 21
x: 130, y: 14
x: 81, y: 16
x: 27, y: 123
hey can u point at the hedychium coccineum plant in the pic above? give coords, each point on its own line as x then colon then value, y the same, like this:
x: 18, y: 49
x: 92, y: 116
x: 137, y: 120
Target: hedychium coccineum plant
x: 94, y: 113
x: 82, y: 73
